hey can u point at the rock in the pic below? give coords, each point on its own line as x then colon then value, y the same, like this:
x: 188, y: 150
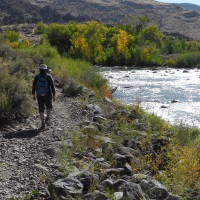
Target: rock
x: 125, y: 150
x: 90, y: 129
x: 96, y: 195
x: 132, y: 191
x: 39, y: 166
x: 159, y: 143
x: 107, y: 148
x: 97, y: 109
x: 138, y: 177
x: 157, y: 193
x: 128, y: 169
x: 118, y: 160
x: 112, y: 90
x: 69, y: 185
x: 119, y: 184
x: 141, y: 126
x: 173, y: 197
x: 107, y: 100
x: 175, y: 101
x: 86, y: 178
x: 118, y: 195
x: 115, y: 171
x: 50, y: 151
x: 154, y: 189
x: 107, y: 184
x: 132, y: 144
x: 92, y: 95
x: 99, y: 119
x: 163, y: 106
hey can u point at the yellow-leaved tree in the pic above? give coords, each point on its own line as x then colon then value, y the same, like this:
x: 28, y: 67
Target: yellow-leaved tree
x: 122, y: 42
x: 80, y: 48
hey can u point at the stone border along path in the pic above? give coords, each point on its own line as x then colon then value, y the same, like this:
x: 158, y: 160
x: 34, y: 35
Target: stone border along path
x: 27, y: 156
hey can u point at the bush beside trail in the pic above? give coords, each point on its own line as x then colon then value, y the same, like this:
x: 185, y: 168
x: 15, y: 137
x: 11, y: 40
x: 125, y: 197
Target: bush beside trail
x: 14, y: 101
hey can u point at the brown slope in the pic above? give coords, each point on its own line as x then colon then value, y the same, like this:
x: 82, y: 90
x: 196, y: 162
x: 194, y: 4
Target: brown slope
x: 169, y: 17
x: 23, y: 11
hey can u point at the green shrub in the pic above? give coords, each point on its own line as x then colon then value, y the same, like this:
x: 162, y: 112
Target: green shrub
x: 187, y: 60
x: 5, y: 51
x: 170, y: 62
x: 156, y: 123
x: 44, y: 50
x: 62, y: 66
x: 65, y: 159
x: 194, y: 134
x: 92, y: 78
x: 38, y: 59
x: 21, y: 68
x: 183, y: 168
x: 184, y: 135
x: 12, y: 36
x: 15, y: 101
x: 71, y: 87
x: 40, y: 28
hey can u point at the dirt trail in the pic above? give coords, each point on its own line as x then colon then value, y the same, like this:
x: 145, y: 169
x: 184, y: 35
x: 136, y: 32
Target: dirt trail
x: 27, y: 157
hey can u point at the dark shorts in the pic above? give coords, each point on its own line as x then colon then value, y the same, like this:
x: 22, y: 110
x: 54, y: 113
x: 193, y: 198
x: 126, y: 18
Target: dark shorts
x: 44, y: 102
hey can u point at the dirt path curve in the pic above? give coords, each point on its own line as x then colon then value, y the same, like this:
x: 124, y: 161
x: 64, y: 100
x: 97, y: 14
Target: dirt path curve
x: 27, y: 156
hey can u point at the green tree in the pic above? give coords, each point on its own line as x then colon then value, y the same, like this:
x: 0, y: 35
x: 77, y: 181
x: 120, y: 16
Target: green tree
x: 60, y: 36
x: 150, y: 42
x: 193, y: 46
x: 12, y: 36
x: 142, y: 21
x: 99, y: 55
x: 40, y: 28
x: 152, y: 35
x: 96, y: 36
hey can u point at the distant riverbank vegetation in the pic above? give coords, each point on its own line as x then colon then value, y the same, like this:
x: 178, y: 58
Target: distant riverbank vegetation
x: 121, y: 45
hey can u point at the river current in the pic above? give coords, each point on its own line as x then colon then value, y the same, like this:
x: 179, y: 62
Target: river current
x: 172, y: 94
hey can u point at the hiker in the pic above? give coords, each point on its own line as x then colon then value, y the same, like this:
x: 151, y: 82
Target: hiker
x: 44, y: 90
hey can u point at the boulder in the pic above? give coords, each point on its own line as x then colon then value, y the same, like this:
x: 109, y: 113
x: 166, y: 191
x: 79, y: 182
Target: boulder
x: 63, y: 187
x: 133, y: 191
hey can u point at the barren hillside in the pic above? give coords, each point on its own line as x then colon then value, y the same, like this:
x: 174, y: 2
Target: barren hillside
x: 169, y: 17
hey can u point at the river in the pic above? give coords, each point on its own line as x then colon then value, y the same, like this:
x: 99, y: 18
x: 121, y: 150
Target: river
x: 172, y: 94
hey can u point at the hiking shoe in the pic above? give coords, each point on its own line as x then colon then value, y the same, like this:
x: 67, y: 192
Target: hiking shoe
x: 47, y: 121
x: 42, y: 126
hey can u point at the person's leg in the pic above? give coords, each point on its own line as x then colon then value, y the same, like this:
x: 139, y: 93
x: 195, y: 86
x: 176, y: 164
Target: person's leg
x: 49, y: 109
x: 41, y: 107
x: 49, y: 113
x: 42, y: 117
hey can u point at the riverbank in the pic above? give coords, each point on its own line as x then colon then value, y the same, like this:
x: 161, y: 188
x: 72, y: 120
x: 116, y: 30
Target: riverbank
x: 106, y: 151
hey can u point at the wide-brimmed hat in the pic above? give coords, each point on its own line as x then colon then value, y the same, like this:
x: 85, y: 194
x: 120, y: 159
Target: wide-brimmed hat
x: 43, y: 66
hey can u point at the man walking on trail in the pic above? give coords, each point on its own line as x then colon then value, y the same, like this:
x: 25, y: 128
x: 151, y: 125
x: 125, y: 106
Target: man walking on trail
x: 44, y: 90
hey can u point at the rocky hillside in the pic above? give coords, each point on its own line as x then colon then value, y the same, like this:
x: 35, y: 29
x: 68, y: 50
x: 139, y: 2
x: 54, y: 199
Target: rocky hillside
x: 169, y: 17
x: 189, y: 6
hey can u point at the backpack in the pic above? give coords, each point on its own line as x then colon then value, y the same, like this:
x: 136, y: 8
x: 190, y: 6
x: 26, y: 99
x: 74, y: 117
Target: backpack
x: 42, y: 85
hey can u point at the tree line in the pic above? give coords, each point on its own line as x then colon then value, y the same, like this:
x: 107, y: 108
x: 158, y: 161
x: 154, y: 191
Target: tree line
x: 130, y: 44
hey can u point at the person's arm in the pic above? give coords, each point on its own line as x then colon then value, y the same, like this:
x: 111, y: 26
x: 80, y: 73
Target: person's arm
x: 33, y: 88
x: 52, y: 86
